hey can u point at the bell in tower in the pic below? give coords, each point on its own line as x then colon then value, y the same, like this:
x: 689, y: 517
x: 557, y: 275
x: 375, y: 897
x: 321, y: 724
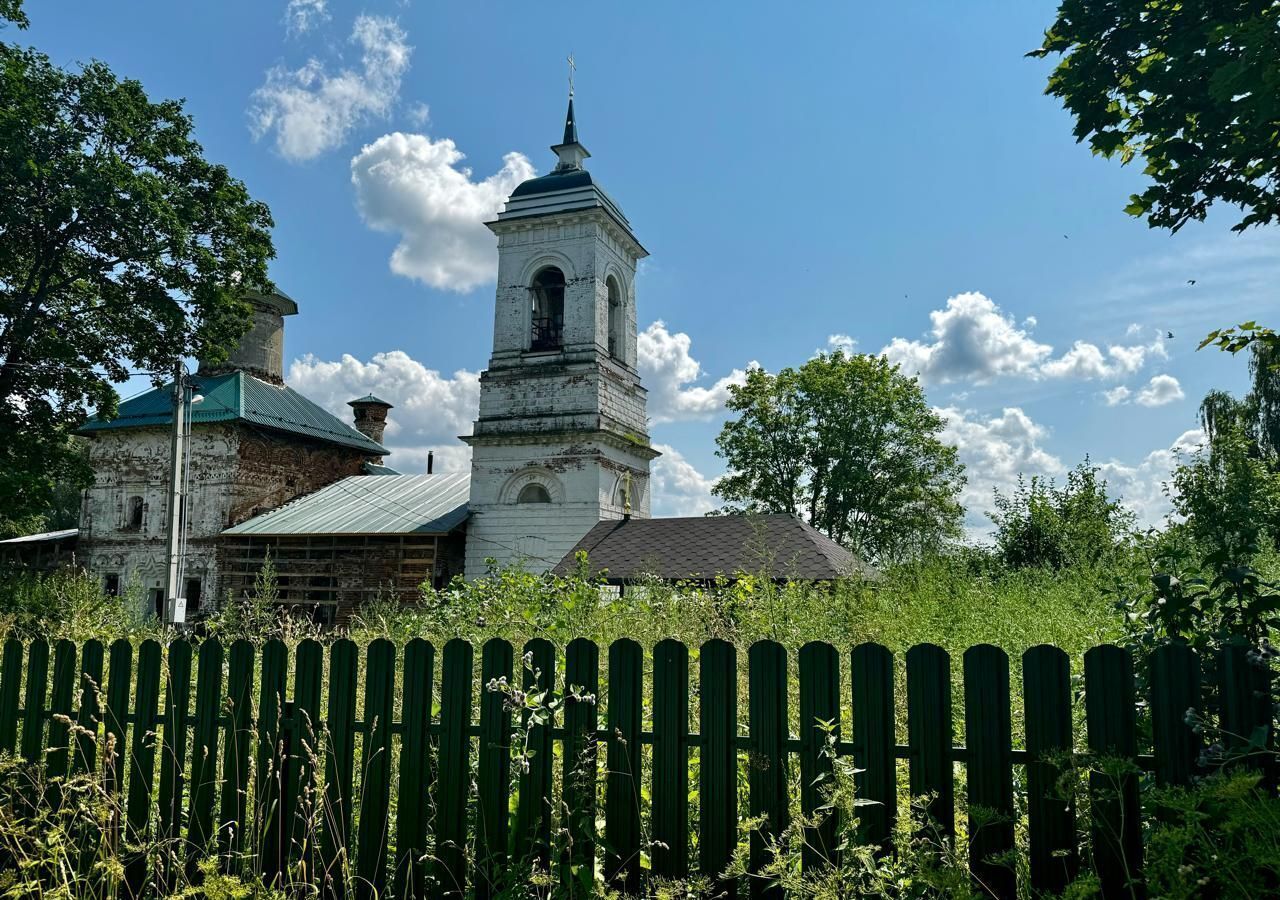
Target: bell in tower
x: 562, y: 428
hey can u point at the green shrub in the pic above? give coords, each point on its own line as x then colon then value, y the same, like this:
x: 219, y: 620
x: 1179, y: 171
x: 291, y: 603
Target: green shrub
x: 1043, y: 525
x: 938, y: 600
x: 68, y: 604
x: 1220, y: 838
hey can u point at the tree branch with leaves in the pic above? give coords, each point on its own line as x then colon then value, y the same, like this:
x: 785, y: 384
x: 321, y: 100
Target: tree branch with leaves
x: 122, y: 249
x: 1189, y: 86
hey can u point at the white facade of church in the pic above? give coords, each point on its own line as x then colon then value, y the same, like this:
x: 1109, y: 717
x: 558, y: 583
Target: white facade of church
x: 562, y: 438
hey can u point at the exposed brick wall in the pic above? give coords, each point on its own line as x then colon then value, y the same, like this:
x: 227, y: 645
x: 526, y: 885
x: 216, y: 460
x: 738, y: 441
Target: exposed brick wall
x: 135, y: 463
x: 272, y: 469
x: 236, y: 472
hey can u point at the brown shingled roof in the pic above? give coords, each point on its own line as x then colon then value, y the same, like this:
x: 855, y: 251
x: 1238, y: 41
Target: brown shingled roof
x: 700, y: 548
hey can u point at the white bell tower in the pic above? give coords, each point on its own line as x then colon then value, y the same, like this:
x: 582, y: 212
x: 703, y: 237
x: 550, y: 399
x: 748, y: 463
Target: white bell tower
x: 562, y: 440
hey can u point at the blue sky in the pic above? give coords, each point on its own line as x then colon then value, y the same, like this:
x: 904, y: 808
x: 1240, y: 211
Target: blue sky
x: 889, y: 173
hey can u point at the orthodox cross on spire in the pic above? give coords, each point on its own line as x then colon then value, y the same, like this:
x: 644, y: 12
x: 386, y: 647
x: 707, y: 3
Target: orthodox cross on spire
x: 569, y: 151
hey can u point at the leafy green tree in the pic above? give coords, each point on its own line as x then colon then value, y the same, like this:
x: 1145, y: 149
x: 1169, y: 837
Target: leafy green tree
x: 1264, y: 369
x: 1188, y: 85
x: 63, y: 507
x: 1041, y: 525
x: 121, y: 249
x: 1256, y: 416
x: 849, y: 443
x: 1221, y: 414
x: 1229, y: 498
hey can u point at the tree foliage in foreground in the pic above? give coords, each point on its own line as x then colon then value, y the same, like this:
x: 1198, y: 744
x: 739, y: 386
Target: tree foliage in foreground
x: 849, y: 443
x: 121, y: 248
x: 1192, y: 87
x: 11, y: 11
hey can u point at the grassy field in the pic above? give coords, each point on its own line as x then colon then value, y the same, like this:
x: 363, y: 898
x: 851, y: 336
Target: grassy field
x: 953, y: 602
x: 940, y: 602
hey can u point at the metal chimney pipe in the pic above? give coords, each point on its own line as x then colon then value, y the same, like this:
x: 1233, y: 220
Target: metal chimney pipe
x: 431, y: 459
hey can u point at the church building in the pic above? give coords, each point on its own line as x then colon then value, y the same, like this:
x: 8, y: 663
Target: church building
x: 560, y: 450
x: 562, y: 439
x: 254, y: 444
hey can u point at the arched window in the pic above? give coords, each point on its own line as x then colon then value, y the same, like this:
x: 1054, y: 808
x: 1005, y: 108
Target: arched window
x: 133, y: 520
x: 533, y: 493
x: 615, y: 318
x: 547, y: 297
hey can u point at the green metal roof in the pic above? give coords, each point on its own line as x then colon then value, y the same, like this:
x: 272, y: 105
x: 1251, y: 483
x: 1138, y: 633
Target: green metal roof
x: 378, y: 469
x: 364, y: 504
x: 369, y: 398
x: 239, y: 397
x: 554, y: 181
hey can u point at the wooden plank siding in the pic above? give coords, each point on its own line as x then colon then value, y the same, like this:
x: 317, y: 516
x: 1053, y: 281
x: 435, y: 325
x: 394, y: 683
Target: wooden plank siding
x: 330, y: 576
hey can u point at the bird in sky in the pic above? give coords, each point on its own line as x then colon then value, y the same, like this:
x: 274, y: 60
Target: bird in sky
x: 1168, y: 335
x: 1191, y: 281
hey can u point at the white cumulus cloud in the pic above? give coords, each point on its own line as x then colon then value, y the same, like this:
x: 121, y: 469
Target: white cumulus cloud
x: 1117, y: 395
x: 311, y: 110
x: 300, y: 16
x: 970, y: 339
x: 995, y: 451
x: 1159, y: 391
x: 411, y: 185
x: 1086, y: 361
x: 679, y: 489
x: 842, y: 342
x: 669, y: 371
x: 430, y: 409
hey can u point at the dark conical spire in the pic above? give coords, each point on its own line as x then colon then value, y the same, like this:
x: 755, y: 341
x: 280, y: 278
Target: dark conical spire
x: 570, y: 125
x: 569, y: 151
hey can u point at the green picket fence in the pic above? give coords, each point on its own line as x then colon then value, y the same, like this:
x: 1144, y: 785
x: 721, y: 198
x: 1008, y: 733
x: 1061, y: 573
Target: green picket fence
x: 255, y: 744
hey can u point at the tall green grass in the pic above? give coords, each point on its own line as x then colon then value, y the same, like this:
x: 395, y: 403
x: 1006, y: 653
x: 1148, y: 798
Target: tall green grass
x: 942, y: 601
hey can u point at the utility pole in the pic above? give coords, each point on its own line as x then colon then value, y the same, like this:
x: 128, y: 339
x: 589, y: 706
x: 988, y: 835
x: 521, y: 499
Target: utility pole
x: 172, y: 589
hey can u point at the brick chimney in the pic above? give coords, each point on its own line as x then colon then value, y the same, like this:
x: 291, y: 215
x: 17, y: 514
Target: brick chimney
x: 370, y: 416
